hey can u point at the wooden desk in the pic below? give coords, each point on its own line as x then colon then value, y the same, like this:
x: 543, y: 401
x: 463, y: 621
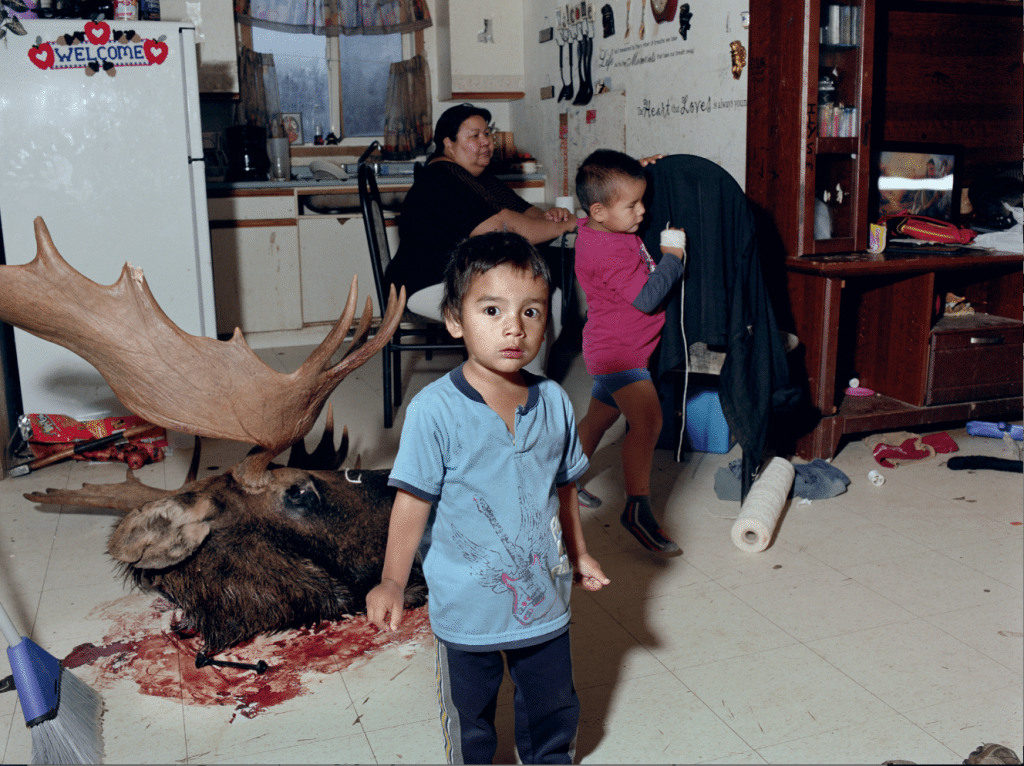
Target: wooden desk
x: 873, y: 315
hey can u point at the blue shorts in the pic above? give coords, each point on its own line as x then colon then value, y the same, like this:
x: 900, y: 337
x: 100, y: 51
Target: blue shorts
x: 606, y: 385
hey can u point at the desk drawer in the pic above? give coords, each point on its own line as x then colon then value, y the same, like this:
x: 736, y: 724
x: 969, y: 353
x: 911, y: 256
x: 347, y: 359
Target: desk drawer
x: 972, y: 357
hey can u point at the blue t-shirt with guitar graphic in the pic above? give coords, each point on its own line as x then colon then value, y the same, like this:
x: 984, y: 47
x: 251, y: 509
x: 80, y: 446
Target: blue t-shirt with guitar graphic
x: 497, y: 570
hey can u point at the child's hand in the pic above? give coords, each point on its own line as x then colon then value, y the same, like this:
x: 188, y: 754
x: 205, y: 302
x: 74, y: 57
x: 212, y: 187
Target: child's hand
x: 559, y: 214
x: 587, y: 574
x: 387, y: 598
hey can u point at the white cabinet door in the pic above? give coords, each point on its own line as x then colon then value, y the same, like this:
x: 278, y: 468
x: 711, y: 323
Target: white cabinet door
x: 256, y: 276
x: 331, y: 251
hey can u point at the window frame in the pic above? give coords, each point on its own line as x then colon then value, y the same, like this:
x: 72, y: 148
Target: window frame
x: 412, y: 45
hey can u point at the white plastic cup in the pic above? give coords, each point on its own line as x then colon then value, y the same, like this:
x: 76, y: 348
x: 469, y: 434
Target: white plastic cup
x: 280, y: 159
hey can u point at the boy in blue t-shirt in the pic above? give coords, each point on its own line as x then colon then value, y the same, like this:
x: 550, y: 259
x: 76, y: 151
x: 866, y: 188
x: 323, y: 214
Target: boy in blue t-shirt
x: 487, y: 467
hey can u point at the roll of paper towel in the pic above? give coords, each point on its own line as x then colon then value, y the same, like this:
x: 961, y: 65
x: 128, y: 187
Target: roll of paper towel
x: 754, y: 527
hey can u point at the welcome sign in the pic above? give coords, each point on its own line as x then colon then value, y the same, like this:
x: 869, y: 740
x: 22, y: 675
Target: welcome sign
x: 98, y: 48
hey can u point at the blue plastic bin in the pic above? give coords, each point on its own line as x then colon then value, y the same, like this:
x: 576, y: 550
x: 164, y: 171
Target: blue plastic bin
x: 706, y: 428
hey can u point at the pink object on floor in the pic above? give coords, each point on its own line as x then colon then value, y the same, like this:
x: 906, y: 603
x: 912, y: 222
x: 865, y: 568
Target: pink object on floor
x: 859, y: 391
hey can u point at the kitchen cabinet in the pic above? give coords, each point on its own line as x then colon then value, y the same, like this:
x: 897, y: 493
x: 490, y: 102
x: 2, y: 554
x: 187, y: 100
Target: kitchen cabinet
x: 255, y: 246
x: 256, y: 275
x: 279, y: 267
x: 216, y: 51
x: 332, y: 250
x: 480, y: 52
x: 878, y: 316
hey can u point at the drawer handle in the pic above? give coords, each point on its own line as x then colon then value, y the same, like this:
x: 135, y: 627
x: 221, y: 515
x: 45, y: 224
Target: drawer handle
x: 987, y: 340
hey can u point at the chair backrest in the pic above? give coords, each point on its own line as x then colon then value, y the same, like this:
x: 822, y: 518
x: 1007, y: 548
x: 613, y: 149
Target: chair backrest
x: 376, y: 233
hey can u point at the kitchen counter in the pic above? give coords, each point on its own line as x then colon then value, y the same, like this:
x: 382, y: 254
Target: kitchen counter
x: 306, y: 181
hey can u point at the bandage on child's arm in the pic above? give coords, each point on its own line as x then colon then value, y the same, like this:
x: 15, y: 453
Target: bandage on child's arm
x: 674, y: 239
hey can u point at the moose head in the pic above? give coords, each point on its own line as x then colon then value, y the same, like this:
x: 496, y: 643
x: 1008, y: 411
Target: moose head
x: 261, y: 547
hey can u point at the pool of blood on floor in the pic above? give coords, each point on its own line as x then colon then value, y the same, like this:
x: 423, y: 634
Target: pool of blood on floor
x: 140, y: 645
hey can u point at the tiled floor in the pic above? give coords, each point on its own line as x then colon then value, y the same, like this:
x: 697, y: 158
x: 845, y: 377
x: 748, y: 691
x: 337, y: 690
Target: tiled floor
x: 883, y: 623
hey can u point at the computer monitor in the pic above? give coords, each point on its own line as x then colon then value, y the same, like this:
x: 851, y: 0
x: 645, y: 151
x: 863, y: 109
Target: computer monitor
x: 918, y: 178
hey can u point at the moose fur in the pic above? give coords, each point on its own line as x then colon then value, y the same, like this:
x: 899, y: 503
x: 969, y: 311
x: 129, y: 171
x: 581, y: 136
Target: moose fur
x: 308, y: 548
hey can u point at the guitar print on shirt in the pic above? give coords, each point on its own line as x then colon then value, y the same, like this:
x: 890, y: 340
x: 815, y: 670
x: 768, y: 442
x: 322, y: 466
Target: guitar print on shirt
x: 518, y: 568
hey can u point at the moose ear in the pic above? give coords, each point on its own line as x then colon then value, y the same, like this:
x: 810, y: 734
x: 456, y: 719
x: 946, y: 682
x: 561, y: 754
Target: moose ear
x: 161, y: 533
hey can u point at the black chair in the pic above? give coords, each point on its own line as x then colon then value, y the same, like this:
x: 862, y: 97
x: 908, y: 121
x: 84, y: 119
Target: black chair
x: 432, y: 334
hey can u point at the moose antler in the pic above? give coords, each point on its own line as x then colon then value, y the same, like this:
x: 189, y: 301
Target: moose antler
x: 184, y: 382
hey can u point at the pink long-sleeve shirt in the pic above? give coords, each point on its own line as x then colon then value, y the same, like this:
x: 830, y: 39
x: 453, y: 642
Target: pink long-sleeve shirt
x: 612, y: 269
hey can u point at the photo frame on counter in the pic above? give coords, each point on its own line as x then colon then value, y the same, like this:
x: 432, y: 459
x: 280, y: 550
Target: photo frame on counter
x: 292, y: 122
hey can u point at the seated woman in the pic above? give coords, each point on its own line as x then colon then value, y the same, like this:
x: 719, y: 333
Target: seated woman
x: 454, y: 197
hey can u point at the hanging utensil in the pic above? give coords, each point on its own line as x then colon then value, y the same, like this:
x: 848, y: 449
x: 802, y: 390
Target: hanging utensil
x: 586, y: 54
x: 565, y: 33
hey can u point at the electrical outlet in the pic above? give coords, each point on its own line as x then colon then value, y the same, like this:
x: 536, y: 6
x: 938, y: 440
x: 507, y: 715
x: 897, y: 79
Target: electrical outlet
x: 547, y: 92
x: 547, y: 34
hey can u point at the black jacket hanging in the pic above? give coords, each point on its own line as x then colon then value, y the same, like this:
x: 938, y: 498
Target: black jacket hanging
x: 726, y: 300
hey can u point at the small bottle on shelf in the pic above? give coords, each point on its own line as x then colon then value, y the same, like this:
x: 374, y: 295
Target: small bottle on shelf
x: 318, y: 128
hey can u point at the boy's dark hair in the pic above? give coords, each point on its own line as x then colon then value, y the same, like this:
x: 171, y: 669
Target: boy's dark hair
x: 451, y: 120
x: 480, y: 254
x: 599, y: 176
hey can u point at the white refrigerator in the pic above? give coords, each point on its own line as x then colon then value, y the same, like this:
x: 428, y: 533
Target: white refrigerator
x: 100, y: 135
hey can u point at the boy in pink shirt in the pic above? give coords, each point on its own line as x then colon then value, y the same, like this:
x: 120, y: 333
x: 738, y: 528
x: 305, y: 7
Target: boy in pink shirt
x: 625, y: 290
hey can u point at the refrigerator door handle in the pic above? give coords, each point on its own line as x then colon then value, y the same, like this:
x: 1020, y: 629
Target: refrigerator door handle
x: 190, y: 74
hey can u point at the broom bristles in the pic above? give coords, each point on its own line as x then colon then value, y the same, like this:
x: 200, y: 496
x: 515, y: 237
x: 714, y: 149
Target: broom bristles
x: 75, y: 734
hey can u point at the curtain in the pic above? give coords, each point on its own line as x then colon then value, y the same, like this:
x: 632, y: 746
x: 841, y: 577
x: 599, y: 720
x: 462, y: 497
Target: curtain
x: 407, y: 115
x: 259, y: 102
x: 335, y: 17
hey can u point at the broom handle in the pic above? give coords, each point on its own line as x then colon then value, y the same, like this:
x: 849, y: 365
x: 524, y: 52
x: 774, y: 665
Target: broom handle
x: 7, y: 628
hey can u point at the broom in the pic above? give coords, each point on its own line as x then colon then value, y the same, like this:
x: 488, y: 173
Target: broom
x: 61, y: 710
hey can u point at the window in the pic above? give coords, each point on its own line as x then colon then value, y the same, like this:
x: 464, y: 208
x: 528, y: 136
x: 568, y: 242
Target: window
x: 334, y: 81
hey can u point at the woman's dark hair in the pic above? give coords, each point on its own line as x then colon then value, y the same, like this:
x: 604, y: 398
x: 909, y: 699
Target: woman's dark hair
x: 599, y: 176
x: 480, y: 254
x: 448, y: 124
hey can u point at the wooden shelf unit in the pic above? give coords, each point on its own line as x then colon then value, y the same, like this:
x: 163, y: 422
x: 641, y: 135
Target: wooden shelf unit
x: 874, y: 316
x: 920, y: 71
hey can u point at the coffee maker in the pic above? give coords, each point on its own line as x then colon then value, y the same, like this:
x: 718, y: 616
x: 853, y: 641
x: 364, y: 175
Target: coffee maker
x: 247, y: 153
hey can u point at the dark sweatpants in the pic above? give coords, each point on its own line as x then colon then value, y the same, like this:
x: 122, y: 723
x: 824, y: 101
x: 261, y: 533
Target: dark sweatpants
x: 547, y: 710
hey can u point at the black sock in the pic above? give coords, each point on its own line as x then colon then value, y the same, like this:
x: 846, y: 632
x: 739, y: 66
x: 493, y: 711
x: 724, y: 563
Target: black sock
x: 639, y: 519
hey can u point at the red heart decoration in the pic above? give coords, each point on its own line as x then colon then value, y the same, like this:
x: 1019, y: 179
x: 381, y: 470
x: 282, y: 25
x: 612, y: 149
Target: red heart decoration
x: 42, y: 55
x: 98, y: 34
x: 156, y: 52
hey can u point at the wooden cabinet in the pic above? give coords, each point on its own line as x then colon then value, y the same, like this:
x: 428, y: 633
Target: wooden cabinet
x: 809, y: 120
x: 974, y: 356
x: 936, y: 72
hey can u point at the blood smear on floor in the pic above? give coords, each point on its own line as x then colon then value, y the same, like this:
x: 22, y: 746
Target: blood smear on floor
x: 141, y: 646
